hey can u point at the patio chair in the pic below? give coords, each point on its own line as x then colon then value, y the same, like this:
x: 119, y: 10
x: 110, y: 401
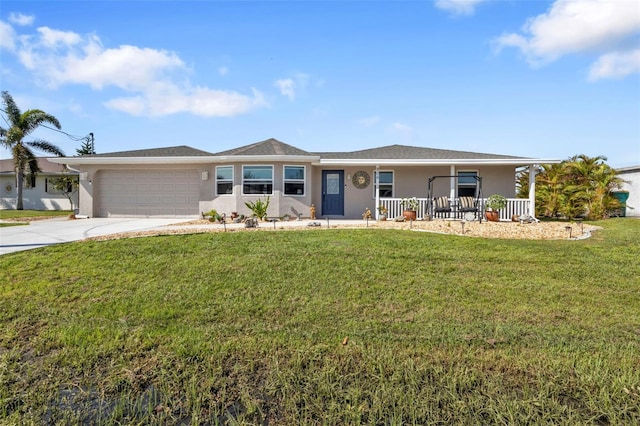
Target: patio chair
x: 441, y: 206
x: 467, y: 205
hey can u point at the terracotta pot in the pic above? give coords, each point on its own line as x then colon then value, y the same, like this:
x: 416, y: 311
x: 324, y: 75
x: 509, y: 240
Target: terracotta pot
x: 492, y: 215
x: 410, y: 214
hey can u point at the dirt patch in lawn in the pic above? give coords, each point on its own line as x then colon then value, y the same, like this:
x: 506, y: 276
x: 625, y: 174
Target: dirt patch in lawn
x: 505, y: 230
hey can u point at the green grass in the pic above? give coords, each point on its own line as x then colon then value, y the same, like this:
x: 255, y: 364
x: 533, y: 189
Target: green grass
x: 6, y: 224
x: 248, y: 328
x: 30, y: 214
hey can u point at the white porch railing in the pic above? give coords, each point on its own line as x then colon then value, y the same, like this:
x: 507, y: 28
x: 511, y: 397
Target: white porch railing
x: 515, y: 206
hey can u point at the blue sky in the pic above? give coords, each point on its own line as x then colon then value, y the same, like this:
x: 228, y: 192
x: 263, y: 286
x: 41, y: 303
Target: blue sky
x: 545, y: 79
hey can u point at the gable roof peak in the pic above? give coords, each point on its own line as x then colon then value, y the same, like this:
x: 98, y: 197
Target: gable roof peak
x: 269, y: 146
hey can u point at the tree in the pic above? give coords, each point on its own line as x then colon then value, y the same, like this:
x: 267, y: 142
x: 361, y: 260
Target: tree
x: 596, y: 180
x: 21, y: 124
x: 549, y: 190
x: 87, y: 147
x: 67, y: 184
x: 579, y: 186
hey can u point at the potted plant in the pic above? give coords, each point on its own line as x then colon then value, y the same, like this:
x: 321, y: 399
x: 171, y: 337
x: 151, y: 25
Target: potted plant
x: 383, y: 212
x: 493, y: 205
x: 410, y: 206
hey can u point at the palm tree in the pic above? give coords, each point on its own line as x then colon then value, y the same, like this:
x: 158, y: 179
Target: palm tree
x: 596, y: 180
x: 579, y: 186
x: 549, y: 188
x: 21, y: 124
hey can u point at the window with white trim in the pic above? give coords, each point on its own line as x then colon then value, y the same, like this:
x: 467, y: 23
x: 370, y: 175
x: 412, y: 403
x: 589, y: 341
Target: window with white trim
x: 224, y: 180
x: 257, y: 180
x: 294, y: 180
x: 385, y: 185
x: 467, y: 183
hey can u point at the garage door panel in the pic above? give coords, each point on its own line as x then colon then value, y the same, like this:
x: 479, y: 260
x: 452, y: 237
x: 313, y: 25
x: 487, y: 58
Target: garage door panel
x: 171, y: 193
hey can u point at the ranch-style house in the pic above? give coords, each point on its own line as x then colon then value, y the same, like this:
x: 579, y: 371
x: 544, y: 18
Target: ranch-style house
x: 185, y: 182
x: 37, y: 193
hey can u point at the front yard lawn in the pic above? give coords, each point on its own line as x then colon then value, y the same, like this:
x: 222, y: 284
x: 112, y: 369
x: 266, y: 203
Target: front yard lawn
x: 31, y: 214
x: 323, y: 327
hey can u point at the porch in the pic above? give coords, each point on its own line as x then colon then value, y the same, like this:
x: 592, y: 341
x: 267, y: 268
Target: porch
x: 515, y: 206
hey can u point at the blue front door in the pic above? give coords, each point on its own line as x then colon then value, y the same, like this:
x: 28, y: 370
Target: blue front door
x: 333, y: 193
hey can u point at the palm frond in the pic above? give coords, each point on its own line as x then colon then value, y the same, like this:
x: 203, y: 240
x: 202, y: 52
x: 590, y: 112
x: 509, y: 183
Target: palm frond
x: 45, y: 146
x: 33, y: 118
x: 13, y: 112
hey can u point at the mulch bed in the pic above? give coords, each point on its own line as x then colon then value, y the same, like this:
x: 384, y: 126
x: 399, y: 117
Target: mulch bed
x: 504, y: 230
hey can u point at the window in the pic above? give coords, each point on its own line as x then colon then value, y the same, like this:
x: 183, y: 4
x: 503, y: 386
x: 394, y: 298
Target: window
x: 467, y: 184
x: 385, y: 185
x: 294, y: 180
x: 224, y: 180
x: 257, y: 180
x: 51, y: 185
x: 29, y: 181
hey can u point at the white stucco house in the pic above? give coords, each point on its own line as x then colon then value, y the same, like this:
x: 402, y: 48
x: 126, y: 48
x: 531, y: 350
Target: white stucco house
x: 185, y: 182
x: 38, y: 193
x: 631, y: 177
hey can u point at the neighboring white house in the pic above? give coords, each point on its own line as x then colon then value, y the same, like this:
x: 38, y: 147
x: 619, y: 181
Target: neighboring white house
x: 631, y: 176
x: 37, y: 194
x: 185, y: 182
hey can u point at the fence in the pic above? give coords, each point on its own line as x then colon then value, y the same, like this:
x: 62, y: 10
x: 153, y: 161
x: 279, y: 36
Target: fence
x: 515, y: 206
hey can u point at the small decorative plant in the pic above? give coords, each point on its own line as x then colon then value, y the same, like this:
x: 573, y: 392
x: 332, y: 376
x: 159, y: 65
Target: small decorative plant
x: 382, y: 209
x: 496, y: 202
x: 410, y: 204
x: 258, y: 208
x: 211, y: 215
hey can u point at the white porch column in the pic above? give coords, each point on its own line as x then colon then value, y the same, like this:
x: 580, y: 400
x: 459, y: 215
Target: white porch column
x: 532, y: 190
x: 452, y: 182
x: 377, y: 183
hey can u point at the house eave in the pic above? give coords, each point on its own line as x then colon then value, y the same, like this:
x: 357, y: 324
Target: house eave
x: 315, y: 160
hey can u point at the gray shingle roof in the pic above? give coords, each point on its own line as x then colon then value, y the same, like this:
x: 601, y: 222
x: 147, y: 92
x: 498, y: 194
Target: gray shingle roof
x: 172, y: 151
x: 266, y: 147
x: 274, y: 147
x: 404, y: 152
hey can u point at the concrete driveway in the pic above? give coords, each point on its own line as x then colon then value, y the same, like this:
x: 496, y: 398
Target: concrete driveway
x: 42, y: 233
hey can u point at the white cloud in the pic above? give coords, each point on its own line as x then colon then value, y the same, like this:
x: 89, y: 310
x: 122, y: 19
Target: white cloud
x: 575, y: 26
x: 458, y: 7
x: 615, y: 65
x: 199, y: 101
x: 402, y: 130
x: 7, y: 37
x: 223, y: 71
x: 287, y: 87
x: 154, y: 79
x: 369, y: 121
x: 20, y: 19
x: 55, y: 38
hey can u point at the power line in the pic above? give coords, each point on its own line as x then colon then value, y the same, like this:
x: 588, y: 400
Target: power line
x: 72, y: 137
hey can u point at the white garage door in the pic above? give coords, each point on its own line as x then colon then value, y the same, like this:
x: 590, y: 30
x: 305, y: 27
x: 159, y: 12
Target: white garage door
x: 166, y: 193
